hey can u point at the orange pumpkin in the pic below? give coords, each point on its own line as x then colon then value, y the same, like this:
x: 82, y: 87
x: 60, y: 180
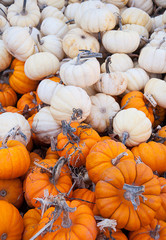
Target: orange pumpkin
x: 153, y: 154
x: 161, y: 212
x: 103, y: 155
x: 12, y: 191
x: 85, y: 195
x: 18, y: 80
x: 9, y: 109
x: 156, y: 230
x: 8, y: 97
x: 111, y: 235
x: 159, y: 115
x: 128, y: 193
x: 136, y: 99
x: 52, y: 154
x: 11, y: 222
x: 161, y: 135
x: 78, y: 143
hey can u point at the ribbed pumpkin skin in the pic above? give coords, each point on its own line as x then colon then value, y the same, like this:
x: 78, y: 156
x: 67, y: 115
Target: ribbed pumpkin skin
x: 88, y: 137
x: 31, y: 219
x: 112, y: 203
x: 18, y: 80
x: 153, y: 154
x: 12, y: 191
x: 8, y: 97
x: 161, y: 212
x: 144, y: 232
x: 14, y: 160
x: 162, y: 133
x: 101, y: 155
x: 11, y: 221
x: 83, y: 224
x: 37, y: 181
x: 85, y: 194
x: 10, y: 109
x: 118, y: 235
x: 137, y: 100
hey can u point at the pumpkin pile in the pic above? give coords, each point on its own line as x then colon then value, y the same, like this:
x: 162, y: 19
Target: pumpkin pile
x: 82, y: 119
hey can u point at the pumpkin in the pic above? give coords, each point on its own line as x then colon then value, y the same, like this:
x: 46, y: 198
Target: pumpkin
x: 9, y: 109
x: 51, y: 11
x: 8, y: 97
x: 11, y: 190
x: 161, y: 135
x: 145, y: 5
x: 105, y: 154
x: 77, y: 39
x: 128, y: 193
x: 78, y: 143
x: 160, y: 3
x: 84, y: 196
x: 159, y: 115
x: 161, y: 212
x: 110, y: 235
x: 4, y: 24
x: 40, y: 65
x: 132, y: 126
x: 5, y: 57
x: 148, y: 152
x: 23, y: 13
x: 18, y: 42
x: 71, y: 9
x: 118, y: 3
x: 18, y: 80
x: 3, y: 10
x: 155, y: 230
x: 7, y: 2
x: 55, y: 3
x: 43, y: 177
x: 34, y: 32
x: 10, y: 214
x: 51, y: 153
x: 136, y: 99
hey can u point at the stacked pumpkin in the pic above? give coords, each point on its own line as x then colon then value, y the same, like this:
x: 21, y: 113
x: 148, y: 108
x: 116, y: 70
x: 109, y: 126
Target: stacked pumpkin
x: 82, y: 123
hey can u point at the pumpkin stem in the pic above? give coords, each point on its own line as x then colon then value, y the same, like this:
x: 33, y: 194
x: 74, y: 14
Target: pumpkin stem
x: 106, y: 223
x: 3, y: 12
x: 117, y: 159
x: 120, y: 22
x: 4, y: 236
x: 133, y: 193
x: 155, y: 233
x: 3, y: 193
x: 43, y: 167
x: 24, y: 12
x: 145, y: 39
x: 7, y: 71
x: 2, y: 110
x: 42, y: 230
x: 69, y: 21
x: 107, y: 63
x: 57, y: 169
x: 125, y: 136
x: 151, y: 99
x: 86, y: 54
x: 41, y: 42
x: 161, y: 42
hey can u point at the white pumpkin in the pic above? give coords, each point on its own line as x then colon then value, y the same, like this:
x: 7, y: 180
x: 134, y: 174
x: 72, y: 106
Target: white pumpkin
x: 52, y: 44
x: 90, y: 90
x: 44, y: 126
x: 54, y: 3
x: 68, y: 100
x: 7, y: 2
x: 157, y: 88
x: 33, y: 31
x: 41, y: 65
x: 54, y: 12
x: 4, y: 24
x: 3, y: 10
x: 10, y: 120
x: 160, y: 3
x: 5, y: 57
x: 18, y: 42
x: 70, y: 10
x: 118, y: 3
x: 80, y: 72
x: 164, y: 18
x: 24, y: 14
x: 53, y: 26
x: 157, y: 39
x: 145, y: 5
x: 104, y: 108
x: 121, y: 41
x: 157, y: 22
x: 132, y: 126
x: 77, y: 39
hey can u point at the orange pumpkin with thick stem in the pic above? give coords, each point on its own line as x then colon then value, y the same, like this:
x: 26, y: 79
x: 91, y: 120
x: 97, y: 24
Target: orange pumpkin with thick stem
x: 153, y: 154
x: 128, y: 193
x: 8, y: 97
x: 18, y: 80
x: 136, y: 99
x: 105, y: 154
x: 11, y: 222
x: 77, y: 142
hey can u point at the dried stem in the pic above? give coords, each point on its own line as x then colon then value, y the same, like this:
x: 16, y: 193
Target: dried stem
x: 3, y: 12
x: 41, y: 42
x: 116, y: 160
x: 24, y: 12
x: 125, y: 136
x: 156, y: 232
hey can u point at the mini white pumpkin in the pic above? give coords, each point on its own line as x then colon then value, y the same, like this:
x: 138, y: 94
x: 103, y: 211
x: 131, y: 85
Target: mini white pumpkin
x: 18, y: 42
x: 70, y: 10
x: 44, y: 126
x: 54, y: 12
x: 4, y: 24
x: 157, y: 88
x: 145, y: 5
x: 68, y: 100
x: 53, y: 26
x: 160, y: 3
x: 54, y: 3
x: 40, y: 65
x: 77, y: 39
x: 157, y: 22
x: 5, y: 57
x: 104, y: 108
x: 10, y: 120
x: 7, y: 2
x: 80, y: 72
x: 132, y: 126
x: 24, y: 14
x: 118, y: 3
x: 33, y: 31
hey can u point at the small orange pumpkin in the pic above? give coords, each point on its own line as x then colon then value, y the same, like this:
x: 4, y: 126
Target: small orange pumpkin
x: 8, y: 97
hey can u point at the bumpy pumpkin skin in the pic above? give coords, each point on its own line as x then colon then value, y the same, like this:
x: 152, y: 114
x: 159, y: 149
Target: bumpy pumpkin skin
x: 153, y: 154
x: 101, y: 155
x: 114, y: 202
x: 147, y: 233
x: 11, y: 222
x: 83, y: 224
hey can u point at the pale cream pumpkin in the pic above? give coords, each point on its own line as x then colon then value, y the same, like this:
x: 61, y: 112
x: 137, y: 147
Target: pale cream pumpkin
x: 132, y: 126
x: 160, y: 3
x: 77, y: 39
x: 157, y: 39
x: 164, y: 18
x: 33, y: 31
x: 71, y: 9
x: 55, y: 26
x: 24, y: 13
x: 18, y: 42
x: 157, y: 22
x: 3, y: 10
x: 104, y: 108
x: 4, y: 24
x: 80, y: 72
x: 54, y: 12
x: 67, y: 100
x: 118, y: 3
x: 52, y: 44
x: 44, y: 126
x: 7, y: 2
x: 145, y: 5
x: 121, y: 41
x: 137, y: 16
x: 157, y: 88
x: 90, y: 90
x: 11, y: 120
x: 5, y: 57
x: 115, y: 10
x: 54, y: 3
x: 41, y: 65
